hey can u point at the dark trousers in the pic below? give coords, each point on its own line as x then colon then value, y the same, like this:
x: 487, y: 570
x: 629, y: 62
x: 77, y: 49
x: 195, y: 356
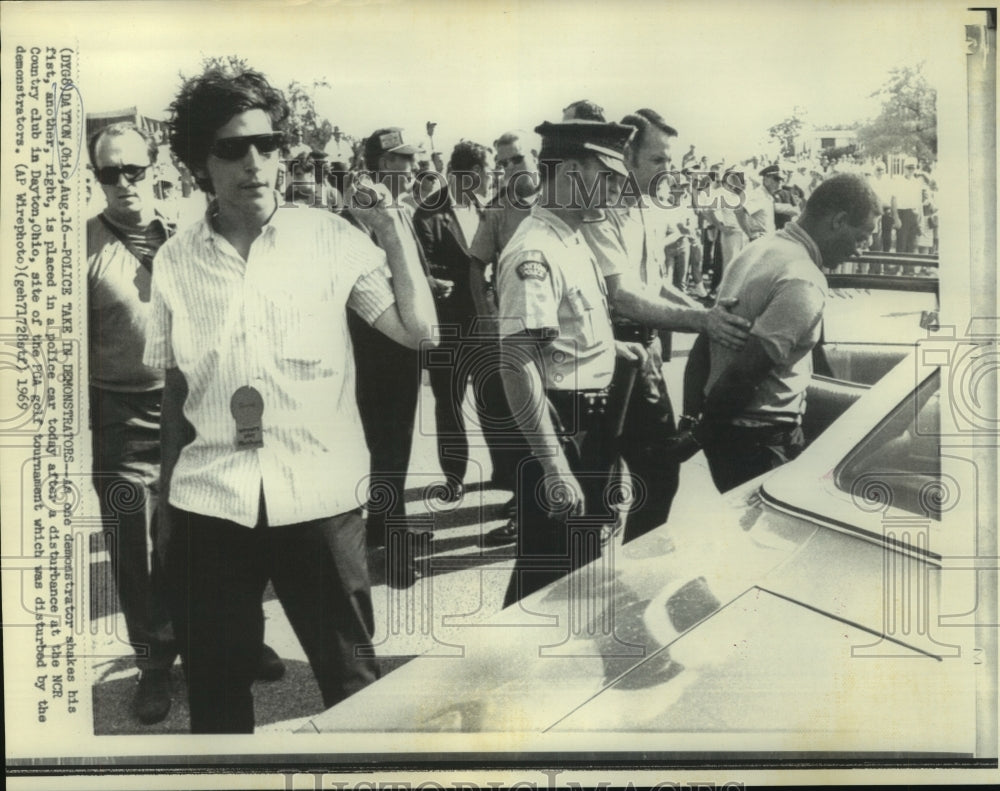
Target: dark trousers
x: 126, y: 450
x: 715, y: 257
x: 388, y: 386
x: 883, y: 235
x: 741, y: 453
x: 549, y: 547
x: 503, y: 438
x: 452, y: 367
x: 906, y: 236
x: 218, y: 571
x: 649, y: 427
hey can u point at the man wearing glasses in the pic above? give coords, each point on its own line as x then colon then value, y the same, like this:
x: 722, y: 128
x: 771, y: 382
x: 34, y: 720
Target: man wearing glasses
x: 125, y: 398
x: 263, y: 450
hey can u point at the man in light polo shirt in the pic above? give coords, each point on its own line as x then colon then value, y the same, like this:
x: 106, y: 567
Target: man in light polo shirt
x: 629, y: 245
x: 262, y: 443
x: 751, y: 419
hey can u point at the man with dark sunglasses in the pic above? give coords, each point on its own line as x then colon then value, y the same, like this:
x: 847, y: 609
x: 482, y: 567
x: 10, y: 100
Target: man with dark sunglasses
x: 263, y: 452
x: 125, y: 399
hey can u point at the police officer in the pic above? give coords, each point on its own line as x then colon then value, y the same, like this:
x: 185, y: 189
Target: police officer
x: 558, y: 351
x: 629, y: 244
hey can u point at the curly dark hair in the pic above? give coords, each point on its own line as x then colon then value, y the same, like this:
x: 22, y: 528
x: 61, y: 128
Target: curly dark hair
x: 207, y: 102
x: 466, y: 155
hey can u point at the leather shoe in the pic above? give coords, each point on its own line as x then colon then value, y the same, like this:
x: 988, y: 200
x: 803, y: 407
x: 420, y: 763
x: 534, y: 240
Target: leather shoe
x: 506, y: 534
x: 151, y: 703
x: 270, y: 668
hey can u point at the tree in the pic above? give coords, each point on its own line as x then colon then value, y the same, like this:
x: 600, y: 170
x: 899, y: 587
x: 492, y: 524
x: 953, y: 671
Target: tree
x: 229, y: 65
x: 908, y: 121
x: 305, y: 123
x: 786, y: 132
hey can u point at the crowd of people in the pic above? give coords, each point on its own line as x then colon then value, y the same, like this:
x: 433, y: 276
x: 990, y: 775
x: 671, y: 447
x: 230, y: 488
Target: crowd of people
x: 254, y: 360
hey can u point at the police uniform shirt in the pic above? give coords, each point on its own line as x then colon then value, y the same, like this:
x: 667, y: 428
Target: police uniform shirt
x: 629, y: 243
x: 548, y: 279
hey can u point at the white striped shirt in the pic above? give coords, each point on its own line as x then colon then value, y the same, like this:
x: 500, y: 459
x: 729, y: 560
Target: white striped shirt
x: 276, y: 322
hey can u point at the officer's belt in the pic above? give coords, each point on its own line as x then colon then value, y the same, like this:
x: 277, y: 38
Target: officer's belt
x: 579, y: 404
x: 630, y: 331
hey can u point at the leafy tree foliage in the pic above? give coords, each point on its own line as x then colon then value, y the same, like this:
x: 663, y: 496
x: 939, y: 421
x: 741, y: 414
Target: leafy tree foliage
x: 908, y: 121
x: 786, y: 132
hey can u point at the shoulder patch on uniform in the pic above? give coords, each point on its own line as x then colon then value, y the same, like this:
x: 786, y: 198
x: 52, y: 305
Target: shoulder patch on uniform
x: 533, y: 269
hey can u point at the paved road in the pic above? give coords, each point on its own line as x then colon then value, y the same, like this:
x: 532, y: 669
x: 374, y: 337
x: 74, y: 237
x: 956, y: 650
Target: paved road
x: 465, y: 584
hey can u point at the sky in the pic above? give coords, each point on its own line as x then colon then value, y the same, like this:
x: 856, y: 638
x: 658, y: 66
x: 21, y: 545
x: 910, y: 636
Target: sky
x: 721, y: 73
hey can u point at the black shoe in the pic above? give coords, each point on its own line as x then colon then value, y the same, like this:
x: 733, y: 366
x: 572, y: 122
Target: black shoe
x: 506, y: 534
x: 271, y: 668
x: 151, y: 703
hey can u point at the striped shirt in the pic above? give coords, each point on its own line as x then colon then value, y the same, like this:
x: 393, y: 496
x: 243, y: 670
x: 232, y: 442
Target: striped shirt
x: 276, y: 322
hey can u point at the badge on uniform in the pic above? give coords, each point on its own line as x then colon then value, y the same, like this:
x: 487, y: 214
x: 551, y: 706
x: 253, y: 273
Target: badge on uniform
x: 247, y: 406
x: 532, y: 270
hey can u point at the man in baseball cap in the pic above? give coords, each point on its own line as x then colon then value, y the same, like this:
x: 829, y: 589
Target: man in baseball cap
x: 393, y: 157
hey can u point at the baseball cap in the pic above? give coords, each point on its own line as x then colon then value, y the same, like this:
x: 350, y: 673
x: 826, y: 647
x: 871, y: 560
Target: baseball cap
x: 389, y: 140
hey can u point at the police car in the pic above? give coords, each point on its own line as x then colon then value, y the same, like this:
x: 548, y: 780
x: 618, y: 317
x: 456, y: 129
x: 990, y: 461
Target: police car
x: 827, y: 609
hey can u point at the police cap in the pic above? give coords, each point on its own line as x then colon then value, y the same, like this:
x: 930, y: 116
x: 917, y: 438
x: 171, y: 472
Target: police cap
x: 771, y: 170
x: 569, y: 139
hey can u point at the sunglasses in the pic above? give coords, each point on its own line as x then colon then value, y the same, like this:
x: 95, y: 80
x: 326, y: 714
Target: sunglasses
x: 109, y: 176
x: 234, y: 148
x: 517, y: 159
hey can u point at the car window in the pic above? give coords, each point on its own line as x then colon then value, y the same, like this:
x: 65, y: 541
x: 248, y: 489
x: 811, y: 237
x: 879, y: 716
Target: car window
x: 898, y: 463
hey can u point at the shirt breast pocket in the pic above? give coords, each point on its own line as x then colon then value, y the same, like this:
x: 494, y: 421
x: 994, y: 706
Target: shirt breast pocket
x: 306, y: 335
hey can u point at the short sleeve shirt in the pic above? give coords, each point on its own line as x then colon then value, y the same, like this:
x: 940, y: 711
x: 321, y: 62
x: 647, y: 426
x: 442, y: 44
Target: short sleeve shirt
x: 275, y: 322
x: 630, y: 243
x: 500, y: 220
x: 782, y: 291
x: 549, y: 283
